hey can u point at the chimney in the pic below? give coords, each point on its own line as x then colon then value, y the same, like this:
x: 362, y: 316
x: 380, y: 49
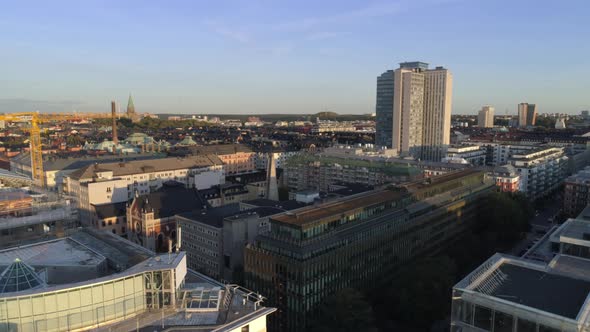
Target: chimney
x: 114, y: 118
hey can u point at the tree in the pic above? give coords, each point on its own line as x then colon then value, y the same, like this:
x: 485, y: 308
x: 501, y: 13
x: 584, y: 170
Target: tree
x: 419, y: 294
x: 347, y: 310
x: 505, y: 215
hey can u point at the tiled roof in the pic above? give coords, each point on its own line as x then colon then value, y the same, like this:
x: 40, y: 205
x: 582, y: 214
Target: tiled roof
x: 144, y: 166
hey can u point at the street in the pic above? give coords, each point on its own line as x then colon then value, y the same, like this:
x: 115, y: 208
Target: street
x: 542, y: 221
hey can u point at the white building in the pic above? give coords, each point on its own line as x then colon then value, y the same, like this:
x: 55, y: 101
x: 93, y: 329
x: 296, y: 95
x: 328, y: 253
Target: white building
x: 96, y: 280
x: 472, y: 154
x: 261, y: 158
x: 541, y: 170
x: 117, y: 182
x: 422, y: 100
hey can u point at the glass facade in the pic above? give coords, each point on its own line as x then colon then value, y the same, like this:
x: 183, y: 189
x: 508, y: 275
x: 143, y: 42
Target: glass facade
x: 467, y: 316
x: 90, y: 305
x: 298, y: 265
x: 384, y: 110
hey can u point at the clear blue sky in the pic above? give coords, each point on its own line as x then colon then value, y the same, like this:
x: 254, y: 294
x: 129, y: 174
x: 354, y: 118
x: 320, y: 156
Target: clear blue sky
x: 263, y: 56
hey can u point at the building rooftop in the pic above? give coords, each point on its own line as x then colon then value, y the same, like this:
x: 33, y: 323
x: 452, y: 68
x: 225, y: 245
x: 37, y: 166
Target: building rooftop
x: 73, y: 162
x: 582, y: 177
x: 216, y: 149
x: 263, y: 202
x: 110, y: 210
x: 436, y: 180
x: 212, y: 216
x: 314, y: 213
x: 19, y: 276
x: 143, y: 166
x: 550, y: 292
x: 532, y: 286
x: 60, y: 252
x: 576, y: 232
x: 171, y: 199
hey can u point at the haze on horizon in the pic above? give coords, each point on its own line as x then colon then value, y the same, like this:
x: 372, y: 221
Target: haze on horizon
x: 262, y: 56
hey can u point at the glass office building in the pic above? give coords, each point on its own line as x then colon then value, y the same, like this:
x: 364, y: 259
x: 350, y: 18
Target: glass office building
x: 358, y: 241
x: 96, y: 280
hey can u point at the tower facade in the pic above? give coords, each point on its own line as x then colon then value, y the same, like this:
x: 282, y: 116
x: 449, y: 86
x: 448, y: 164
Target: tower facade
x: 527, y: 114
x: 420, y: 110
x: 485, y: 117
x: 383, y: 109
x: 272, y: 189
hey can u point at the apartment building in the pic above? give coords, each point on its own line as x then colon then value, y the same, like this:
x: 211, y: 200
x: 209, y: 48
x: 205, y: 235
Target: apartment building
x: 541, y: 170
x: 506, y: 178
x: 279, y: 156
x: 237, y: 158
x: 575, y: 195
x: 357, y: 241
x: 319, y: 172
x: 99, y: 184
x: 472, y: 154
x: 56, y: 168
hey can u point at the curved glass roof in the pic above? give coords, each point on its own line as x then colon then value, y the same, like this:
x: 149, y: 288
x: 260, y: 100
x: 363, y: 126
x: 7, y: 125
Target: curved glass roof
x: 19, y: 277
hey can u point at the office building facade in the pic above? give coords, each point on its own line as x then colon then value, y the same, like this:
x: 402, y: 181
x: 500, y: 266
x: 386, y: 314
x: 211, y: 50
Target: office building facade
x: 357, y: 241
x: 384, y: 110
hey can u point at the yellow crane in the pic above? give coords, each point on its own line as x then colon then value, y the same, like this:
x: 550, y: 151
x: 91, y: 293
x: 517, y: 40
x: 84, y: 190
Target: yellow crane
x: 35, y: 119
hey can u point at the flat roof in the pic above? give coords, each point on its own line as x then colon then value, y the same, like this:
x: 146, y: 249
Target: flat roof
x: 550, y: 292
x: 435, y: 180
x: 212, y: 216
x: 317, y: 212
x: 577, y: 232
x: 61, y: 252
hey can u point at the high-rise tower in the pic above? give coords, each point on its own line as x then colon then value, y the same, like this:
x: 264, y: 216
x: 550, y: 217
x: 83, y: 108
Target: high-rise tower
x: 415, y: 102
x: 272, y: 189
x: 485, y: 117
x: 527, y: 114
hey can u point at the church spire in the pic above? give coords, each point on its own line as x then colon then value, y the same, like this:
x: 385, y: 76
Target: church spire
x: 131, y: 110
x: 130, y: 106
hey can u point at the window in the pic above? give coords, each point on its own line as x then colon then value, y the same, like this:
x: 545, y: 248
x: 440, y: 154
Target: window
x: 526, y: 326
x: 109, y: 189
x: 246, y: 328
x: 483, y: 318
x: 502, y: 322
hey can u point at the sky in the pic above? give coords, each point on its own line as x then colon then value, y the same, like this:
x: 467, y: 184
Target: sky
x: 301, y: 57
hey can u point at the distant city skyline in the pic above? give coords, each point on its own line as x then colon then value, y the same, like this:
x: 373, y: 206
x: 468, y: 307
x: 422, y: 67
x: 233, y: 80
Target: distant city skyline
x: 257, y: 57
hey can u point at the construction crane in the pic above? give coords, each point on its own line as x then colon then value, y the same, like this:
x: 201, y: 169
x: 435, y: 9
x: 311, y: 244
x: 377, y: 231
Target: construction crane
x: 35, y: 119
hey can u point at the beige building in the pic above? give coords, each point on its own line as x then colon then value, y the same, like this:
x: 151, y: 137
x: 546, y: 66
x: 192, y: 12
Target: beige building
x: 485, y: 117
x: 527, y: 114
x: 422, y: 102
